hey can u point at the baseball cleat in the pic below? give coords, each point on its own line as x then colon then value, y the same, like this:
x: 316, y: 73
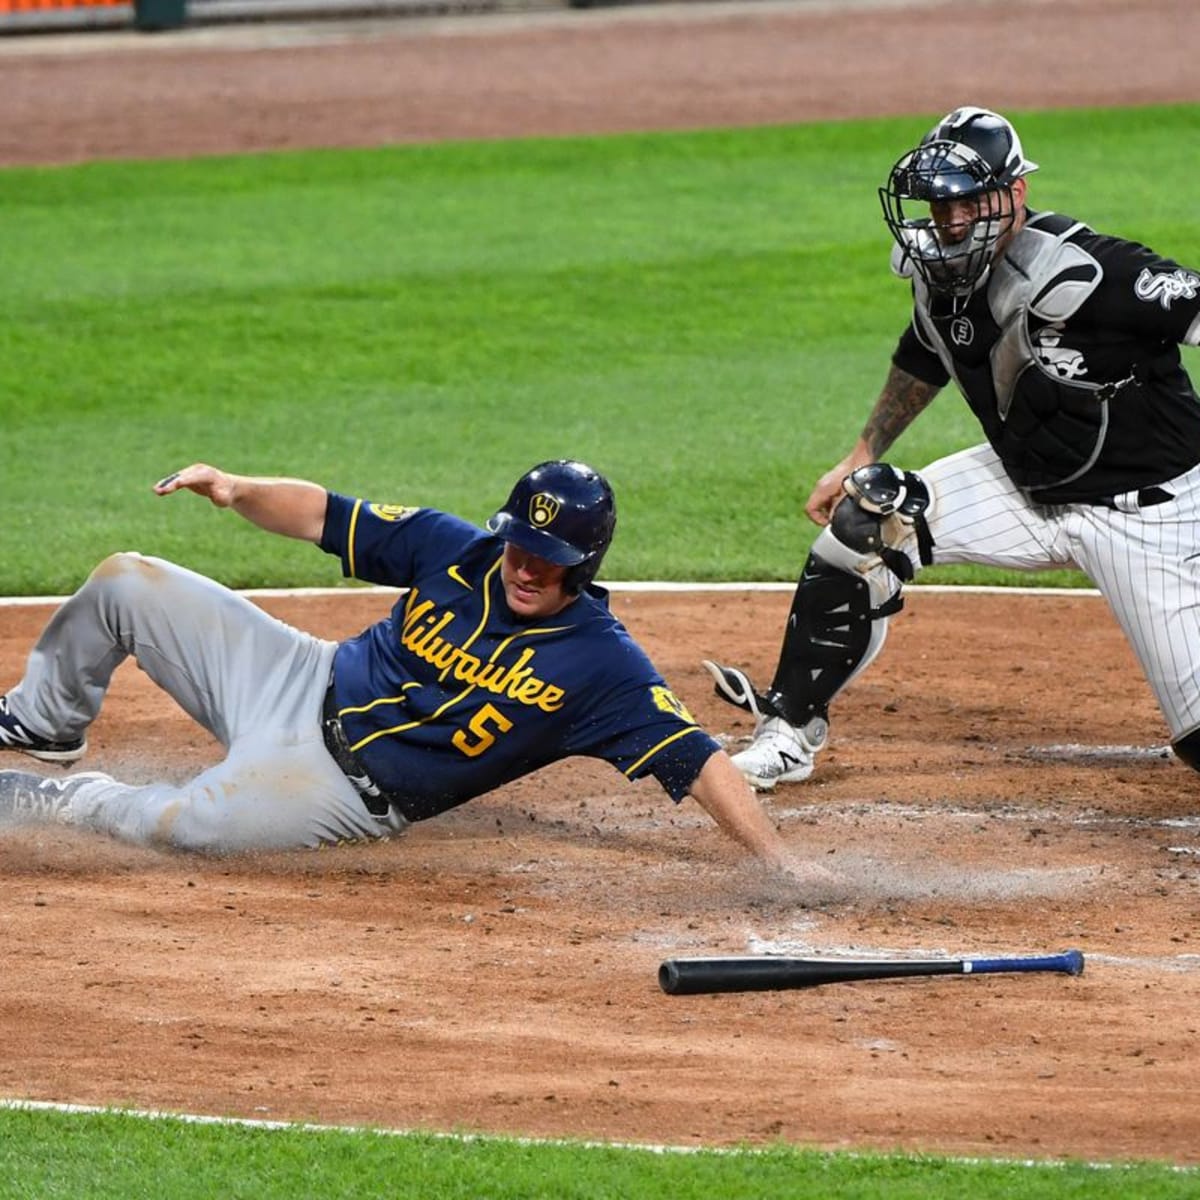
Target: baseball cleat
x: 734, y: 687
x: 781, y: 753
x: 26, y: 797
x: 14, y: 736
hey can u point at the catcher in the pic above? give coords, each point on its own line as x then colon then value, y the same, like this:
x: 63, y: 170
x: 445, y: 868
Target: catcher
x: 1065, y: 343
x: 501, y: 656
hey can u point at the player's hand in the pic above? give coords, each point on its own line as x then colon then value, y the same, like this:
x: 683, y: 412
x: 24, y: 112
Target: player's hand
x: 828, y: 490
x: 811, y: 876
x: 201, y: 479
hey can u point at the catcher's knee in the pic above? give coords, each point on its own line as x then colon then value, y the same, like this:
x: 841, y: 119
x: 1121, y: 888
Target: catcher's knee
x: 883, y: 508
x: 1187, y: 749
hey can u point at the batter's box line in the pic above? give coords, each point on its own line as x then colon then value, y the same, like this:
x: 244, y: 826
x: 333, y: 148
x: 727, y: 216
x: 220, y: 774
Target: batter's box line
x: 1176, y: 964
x: 855, y: 810
x: 1083, y: 753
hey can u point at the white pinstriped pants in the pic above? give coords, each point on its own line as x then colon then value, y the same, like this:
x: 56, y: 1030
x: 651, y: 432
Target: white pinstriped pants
x: 1144, y: 561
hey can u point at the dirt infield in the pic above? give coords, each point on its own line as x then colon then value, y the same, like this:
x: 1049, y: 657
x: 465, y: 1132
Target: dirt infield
x: 496, y: 968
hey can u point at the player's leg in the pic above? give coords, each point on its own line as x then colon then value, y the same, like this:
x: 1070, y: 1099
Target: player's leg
x: 836, y: 627
x: 220, y: 656
x: 848, y: 588
x: 269, y: 794
x: 978, y: 515
x: 254, y: 682
x: 851, y: 585
x: 1144, y: 561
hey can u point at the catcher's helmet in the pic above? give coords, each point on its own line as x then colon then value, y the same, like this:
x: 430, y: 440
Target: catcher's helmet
x: 969, y: 152
x: 562, y: 511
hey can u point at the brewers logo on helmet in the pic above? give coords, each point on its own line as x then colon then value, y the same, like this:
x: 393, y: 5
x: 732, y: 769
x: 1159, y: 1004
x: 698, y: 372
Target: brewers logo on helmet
x: 543, y: 508
x: 562, y: 511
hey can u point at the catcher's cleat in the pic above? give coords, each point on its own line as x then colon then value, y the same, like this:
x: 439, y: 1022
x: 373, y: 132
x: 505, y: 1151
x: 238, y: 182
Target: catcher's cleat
x: 734, y: 687
x: 14, y: 736
x: 26, y: 797
x: 781, y: 753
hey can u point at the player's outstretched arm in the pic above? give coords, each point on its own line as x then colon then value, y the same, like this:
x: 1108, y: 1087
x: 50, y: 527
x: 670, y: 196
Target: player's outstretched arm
x: 725, y: 795
x: 291, y: 507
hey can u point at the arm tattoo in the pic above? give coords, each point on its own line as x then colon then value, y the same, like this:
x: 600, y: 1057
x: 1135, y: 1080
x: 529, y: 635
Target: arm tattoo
x: 903, y: 399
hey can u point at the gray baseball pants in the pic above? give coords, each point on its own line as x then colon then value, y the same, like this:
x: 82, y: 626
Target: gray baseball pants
x: 252, y: 681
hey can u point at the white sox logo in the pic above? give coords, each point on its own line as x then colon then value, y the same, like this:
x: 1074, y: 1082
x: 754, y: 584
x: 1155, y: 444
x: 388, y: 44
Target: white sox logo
x: 1178, y: 285
x: 962, y: 332
x: 1062, y: 360
x: 543, y: 508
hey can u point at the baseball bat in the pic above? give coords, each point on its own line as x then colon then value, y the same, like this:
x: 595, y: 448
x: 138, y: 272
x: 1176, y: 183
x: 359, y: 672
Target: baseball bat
x: 761, y: 973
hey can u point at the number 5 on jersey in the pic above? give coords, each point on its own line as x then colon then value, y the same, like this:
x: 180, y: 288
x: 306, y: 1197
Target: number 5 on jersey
x: 483, y: 736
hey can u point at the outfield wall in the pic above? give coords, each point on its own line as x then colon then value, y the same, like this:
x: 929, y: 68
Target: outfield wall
x: 17, y: 16
x: 48, y: 16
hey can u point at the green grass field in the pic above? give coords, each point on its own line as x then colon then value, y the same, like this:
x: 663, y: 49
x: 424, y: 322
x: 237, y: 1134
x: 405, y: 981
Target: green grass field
x: 706, y: 317
x: 110, y: 1156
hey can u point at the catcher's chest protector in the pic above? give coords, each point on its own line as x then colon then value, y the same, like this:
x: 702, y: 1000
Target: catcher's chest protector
x: 1010, y: 353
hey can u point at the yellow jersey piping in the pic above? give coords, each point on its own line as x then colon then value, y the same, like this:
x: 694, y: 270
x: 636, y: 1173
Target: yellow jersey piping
x: 665, y: 742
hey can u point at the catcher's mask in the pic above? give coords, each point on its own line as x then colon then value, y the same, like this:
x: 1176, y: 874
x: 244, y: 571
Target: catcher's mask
x: 564, y: 512
x: 971, y: 154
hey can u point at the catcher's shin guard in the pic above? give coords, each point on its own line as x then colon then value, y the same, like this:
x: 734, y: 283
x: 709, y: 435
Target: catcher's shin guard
x: 832, y: 633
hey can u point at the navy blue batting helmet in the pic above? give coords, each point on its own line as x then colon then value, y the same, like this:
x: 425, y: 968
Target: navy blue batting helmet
x: 562, y: 511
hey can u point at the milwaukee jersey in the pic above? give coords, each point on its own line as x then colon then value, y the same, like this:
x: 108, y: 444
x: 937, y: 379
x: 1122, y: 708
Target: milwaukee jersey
x: 1069, y: 357
x: 452, y: 695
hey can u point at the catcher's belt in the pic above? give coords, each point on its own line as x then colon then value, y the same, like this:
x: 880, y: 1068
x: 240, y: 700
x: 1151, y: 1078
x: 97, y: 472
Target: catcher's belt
x: 1146, y: 497
x: 378, y: 801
